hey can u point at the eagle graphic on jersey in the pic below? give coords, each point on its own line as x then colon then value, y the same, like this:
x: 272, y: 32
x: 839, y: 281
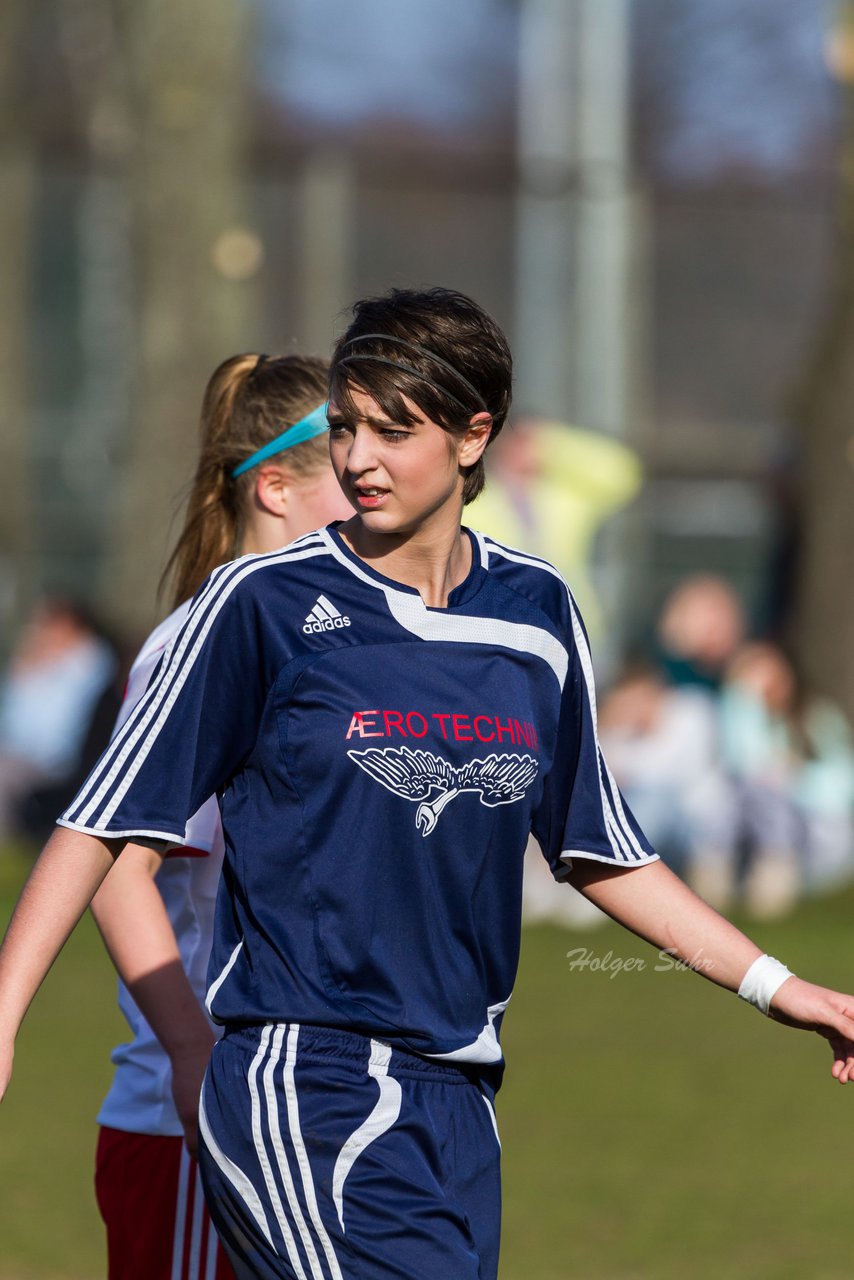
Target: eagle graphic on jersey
x: 433, y: 783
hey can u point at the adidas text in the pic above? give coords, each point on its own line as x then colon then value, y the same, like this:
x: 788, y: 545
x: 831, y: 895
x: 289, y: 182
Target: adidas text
x: 328, y: 624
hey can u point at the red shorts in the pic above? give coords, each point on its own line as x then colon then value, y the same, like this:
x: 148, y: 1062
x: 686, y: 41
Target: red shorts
x: 150, y: 1197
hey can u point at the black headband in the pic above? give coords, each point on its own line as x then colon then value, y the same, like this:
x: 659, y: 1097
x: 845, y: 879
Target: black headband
x: 408, y: 368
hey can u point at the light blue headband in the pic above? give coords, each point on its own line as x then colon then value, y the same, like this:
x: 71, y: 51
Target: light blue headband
x: 313, y: 424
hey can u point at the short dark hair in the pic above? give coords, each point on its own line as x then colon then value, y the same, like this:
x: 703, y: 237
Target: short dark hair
x: 438, y: 348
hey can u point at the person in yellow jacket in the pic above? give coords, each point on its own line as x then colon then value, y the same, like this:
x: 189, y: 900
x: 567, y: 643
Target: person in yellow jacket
x: 550, y: 488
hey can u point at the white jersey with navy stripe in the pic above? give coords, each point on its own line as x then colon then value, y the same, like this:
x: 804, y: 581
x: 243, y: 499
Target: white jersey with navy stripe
x: 379, y: 765
x: 140, y: 1096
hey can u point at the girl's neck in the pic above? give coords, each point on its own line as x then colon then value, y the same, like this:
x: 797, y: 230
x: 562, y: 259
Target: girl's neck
x: 264, y: 532
x: 433, y: 561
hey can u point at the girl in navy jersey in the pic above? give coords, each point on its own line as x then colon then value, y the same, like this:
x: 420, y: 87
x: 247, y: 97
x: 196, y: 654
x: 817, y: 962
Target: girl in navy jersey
x: 159, y: 932
x: 385, y: 709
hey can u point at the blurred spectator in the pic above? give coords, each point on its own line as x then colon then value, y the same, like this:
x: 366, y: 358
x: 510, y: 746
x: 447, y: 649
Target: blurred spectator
x: 790, y: 759
x: 661, y: 743
x: 700, y: 629
x: 61, y: 668
x: 741, y: 779
x: 550, y: 487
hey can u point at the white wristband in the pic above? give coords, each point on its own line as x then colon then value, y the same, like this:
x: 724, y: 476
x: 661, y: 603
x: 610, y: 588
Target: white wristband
x: 762, y: 982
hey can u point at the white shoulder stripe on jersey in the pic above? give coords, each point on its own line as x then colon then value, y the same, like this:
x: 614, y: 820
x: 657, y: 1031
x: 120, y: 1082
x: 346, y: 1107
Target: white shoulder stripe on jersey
x: 221, y: 578
x: 129, y: 751
x: 481, y: 542
x: 623, y: 840
x: 622, y: 825
x: 97, y: 775
x: 304, y: 540
x: 523, y: 557
x: 621, y: 830
x: 384, y: 1114
x: 169, y: 660
x: 233, y: 1173
x: 620, y: 821
x: 621, y: 813
x: 408, y: 609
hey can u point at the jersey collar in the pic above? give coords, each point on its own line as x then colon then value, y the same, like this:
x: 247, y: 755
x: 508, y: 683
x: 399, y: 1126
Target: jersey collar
x: 460, y: 595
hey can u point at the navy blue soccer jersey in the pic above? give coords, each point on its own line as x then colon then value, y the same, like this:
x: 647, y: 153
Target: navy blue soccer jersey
x: 379, y: 765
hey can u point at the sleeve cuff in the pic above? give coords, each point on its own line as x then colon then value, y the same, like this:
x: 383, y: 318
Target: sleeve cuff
x: 140, y: 834
x: 569, y: 855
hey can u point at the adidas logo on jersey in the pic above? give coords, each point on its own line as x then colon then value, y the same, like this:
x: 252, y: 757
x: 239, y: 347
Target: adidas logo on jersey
x: 324, y: 617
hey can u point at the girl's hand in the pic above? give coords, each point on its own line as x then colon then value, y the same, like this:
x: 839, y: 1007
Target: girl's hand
x: 188, y: 1071
x: 829, y: 1013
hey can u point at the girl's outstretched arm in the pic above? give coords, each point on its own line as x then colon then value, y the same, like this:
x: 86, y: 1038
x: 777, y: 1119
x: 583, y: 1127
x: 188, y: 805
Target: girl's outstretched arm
x: 58, y: 891
x: 135, y: 926
x: 656, y: 905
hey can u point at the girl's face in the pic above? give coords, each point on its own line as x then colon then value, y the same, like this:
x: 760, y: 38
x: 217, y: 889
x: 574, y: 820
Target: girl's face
x: 400, y: 478
x: 764, y: 671
x: 313, y: 501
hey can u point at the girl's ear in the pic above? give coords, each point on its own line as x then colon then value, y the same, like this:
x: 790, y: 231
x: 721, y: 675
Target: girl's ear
x: 476, y: 439
x: 272, y: 490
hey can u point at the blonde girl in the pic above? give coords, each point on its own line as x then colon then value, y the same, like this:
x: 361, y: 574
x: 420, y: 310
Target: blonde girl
x: 263, y: 478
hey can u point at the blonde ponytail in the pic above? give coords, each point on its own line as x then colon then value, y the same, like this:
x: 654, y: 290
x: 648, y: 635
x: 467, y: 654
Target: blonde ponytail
x: 248, y: 401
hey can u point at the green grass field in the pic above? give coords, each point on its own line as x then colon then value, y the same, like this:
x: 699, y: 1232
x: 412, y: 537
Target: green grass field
x: 654, y: 1128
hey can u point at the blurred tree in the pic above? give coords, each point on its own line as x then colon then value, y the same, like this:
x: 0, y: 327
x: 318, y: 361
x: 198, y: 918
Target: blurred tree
x: 194, y: 259
x: 17, y: 168
x: 824, y: 613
